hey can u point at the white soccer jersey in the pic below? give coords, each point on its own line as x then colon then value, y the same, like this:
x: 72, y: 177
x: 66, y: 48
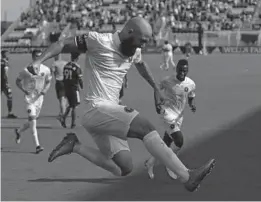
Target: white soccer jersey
x: 34, y: 84
x: 106, y: 66
x: 57, y: 69
x: 177, y: 92
x: 167, y: 48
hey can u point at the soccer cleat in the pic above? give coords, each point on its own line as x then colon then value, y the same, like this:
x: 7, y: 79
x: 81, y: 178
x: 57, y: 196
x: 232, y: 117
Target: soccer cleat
x: 11, y: 116
x: 171, y: 174
x: 39, y: 149
x: 62, y: 121
x: 197, y: 175
x: 149, y: 167
x: 18, y: 136
x: 65, y: 147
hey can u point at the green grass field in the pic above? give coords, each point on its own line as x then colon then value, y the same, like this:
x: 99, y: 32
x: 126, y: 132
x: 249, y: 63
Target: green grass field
x: 226, y: 126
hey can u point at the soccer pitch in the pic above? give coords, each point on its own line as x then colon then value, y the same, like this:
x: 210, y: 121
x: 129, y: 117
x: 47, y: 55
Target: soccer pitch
x: 226, y: 126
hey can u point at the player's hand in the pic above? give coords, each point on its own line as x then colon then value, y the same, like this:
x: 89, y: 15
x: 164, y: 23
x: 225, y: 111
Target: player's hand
x: 160, y: 97
x: 193, y: 108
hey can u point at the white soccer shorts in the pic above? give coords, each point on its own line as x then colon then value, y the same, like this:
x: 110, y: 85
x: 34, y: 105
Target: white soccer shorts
x: 33, y: 109
x: 108, y: 124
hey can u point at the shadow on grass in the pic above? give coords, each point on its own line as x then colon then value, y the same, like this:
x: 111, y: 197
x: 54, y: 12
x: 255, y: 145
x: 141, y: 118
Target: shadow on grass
x: 236, y: 176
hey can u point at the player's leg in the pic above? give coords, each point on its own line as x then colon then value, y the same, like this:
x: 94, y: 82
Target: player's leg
x: 59, y: 88
x: 172, y: 60
x: 35, y: 111
x: 152, y: 161
x: 75, y: 101
x: 113, y: 154
x: 8, y: 93
x: 142, y: 129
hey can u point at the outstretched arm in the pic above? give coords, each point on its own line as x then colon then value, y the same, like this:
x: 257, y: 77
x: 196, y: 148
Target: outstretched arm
x: 74, y: 44
x: 145, y: 72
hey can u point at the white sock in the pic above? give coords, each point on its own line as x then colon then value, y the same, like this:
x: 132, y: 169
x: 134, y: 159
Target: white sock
x: 34, y: 132
x: 24, y: 127
x: 156, y: 146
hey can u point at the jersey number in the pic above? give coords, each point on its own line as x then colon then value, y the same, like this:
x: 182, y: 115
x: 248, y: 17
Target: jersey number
x: 68, y: 74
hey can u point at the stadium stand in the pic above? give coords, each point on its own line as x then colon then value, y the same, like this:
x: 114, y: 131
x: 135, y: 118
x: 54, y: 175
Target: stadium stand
x: 44, y: 22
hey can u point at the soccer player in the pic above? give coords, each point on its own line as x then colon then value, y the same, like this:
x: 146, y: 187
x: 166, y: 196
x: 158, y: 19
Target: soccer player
x: 179, y: 89
x: 57, y: 69
x: 34, y: 82
x: 109, y: 57
x: 5, y: 88
x: 188, y: 49
x: 72, y: 78
x: 167, y: 54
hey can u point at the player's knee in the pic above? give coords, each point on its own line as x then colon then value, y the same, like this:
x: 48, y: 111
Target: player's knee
x: 140, y: 127
x: 124, y: 161
x: 178, y: 138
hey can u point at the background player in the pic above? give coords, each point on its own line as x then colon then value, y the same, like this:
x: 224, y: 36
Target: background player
x: 57, y: 69
x: 5, y: 88
x: 34, y: 82
x: 178, y: 89
x: 167, y: 54
x: 72, y: 78
x: 108, y: 58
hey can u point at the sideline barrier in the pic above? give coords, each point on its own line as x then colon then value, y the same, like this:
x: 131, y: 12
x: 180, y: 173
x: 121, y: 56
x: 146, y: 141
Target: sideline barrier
x: 149, y: 50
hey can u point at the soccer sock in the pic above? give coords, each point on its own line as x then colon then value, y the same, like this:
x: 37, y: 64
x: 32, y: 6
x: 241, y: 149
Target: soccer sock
x: 63, y: 105
x: 24, y: 127
x: 66, y: 112
x: 97, y: 158
x: 160, y: 151
x: 34, y: 132
x: 9, y: 105
x: 73, y: 115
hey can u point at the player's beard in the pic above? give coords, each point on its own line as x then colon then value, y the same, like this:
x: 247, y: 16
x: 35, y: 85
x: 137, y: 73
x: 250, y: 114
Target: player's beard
x: 181, y: 77
x: 127, y: 47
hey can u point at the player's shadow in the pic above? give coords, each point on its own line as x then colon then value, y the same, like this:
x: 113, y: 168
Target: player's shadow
x: 88, y: 180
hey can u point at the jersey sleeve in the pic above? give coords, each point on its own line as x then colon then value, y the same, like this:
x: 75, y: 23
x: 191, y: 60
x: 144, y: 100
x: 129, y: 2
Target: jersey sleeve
x: 79, y: 72
x: 137, y: 56
x: 87, y: 41
x: 192, y: 93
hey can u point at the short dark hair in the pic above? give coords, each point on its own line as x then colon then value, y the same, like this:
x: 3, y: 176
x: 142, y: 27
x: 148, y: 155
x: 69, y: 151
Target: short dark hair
x: 36, y: 52
x: 182, y: 62
x: 75, y: 55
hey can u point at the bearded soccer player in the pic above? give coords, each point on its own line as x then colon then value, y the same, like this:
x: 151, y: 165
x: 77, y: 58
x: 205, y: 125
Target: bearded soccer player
x: 72, y: 79
x: 34, y: 82
x: 109, y: 57
x: 178, y: 89
x: 5, y: 87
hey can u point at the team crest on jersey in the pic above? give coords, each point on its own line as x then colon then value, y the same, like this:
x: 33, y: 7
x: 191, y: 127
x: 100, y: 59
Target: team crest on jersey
x: 42, y: 74
x: 128, y: 109
x: 186, y: 89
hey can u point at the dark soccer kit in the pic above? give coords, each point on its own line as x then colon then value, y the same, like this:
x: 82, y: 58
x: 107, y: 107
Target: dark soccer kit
x: 72, y: 78
x: 4, y: 78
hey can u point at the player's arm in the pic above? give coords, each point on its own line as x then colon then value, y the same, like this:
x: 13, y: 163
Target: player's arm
x: 145, y: 72
x: 74, y: 44
x: 191, y: 99
x: 19, y: 80
x: 47, y: 84
x: 79, y: 76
